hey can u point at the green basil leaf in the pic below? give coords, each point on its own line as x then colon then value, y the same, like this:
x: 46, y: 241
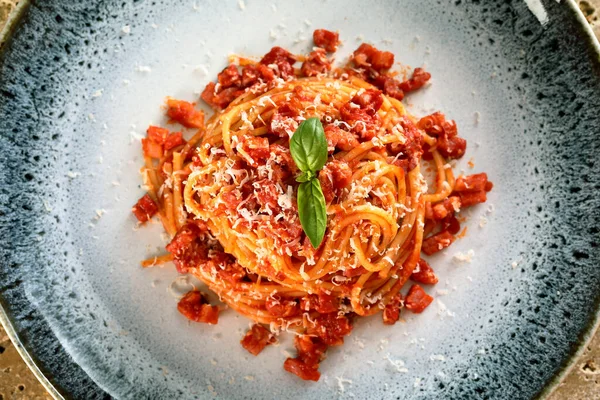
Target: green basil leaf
x: 308, y: 145
x: 312, y: 211
x: 305, y: 176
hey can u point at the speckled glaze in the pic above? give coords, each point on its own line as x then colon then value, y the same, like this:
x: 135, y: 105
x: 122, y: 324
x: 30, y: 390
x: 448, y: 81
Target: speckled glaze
x: 76, y: 90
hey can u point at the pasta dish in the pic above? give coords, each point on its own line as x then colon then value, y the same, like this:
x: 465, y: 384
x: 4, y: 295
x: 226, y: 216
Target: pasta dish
x: 303, y: 200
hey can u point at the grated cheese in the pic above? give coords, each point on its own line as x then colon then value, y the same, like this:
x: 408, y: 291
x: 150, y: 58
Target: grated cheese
x: 464, y: 257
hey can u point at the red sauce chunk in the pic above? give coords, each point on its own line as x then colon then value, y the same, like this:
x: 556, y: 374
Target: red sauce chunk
x: 229, y: 77
x: 280, y: 61
x: 468, y: 199
x: 316, y: 63
x: 337, y: 138
x: 391, y: 312
x: 173, y: 140
x: 311, y: 351
x: 471, y: 183
x: 417, y: 300
x: 370, y: 57
x: 331, y: 328
x: 151, y: 148
x: 188, y: 248
x: 447, y: 207
x: 437, y: 242
x: 185, y: 113
x: 157, y: 134
x: 418, y: 80
x: 257, y: 338
x: 282, y: 308
x: 423, y: 273
x: 390, y: 86
x: 145, y: 208
x: 303, y: 370
x: 361, y: 113
x: 322, y: 303
x: 451, y: 224
x: 256, y: 150
x: 194, y: 307
x: 334, y: 177
x: 326, y: 39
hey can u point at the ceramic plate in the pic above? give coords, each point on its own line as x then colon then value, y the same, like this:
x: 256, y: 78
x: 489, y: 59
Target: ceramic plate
x: 79, y: 83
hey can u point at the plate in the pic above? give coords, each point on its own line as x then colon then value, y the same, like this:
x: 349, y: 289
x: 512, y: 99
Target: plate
x: 81, y: 82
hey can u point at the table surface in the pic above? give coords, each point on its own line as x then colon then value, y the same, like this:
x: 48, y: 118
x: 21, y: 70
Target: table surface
x: 582, y: 383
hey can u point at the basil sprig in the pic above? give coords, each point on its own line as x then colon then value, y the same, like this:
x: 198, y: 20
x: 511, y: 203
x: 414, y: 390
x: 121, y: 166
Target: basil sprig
x: 308, y: 147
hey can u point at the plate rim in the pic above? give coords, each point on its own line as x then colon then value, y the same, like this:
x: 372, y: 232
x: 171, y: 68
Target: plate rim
x: 593, y: 328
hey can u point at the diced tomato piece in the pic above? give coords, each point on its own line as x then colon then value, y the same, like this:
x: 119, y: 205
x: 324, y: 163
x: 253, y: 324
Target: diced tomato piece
x: 185, y: 113
x: 266, y: 73
x: 184, y: 237
x: 311, y: 350
x: 391, y: 312
x: 471, y: 183
x: 437, y: 242
x: 284, y: 123
x: 382, y: 60
x: 488, y: 186
x: 331, y: 328
x: 229, y: 77
x: 157, y: 134
x: 452, y: 147
x: 326, y: 39
x: 283, y: 165
x: 257, y: 149
x: 468, y: 199
x: 301, y: 369
x: 277, y: 53
x: 423, y: 273
x: 282, y: 308
x: 368, y: 56
x: 362, y: 56
x: 322, y: 303
x: 334, y: 176
x: 175, y: 139
x: 339, y: 138
x: 228, y: 269
x: 417, y: 300
x: 363, y: 119
x: 283, y: 59
x: 370, y: 100
x: 418, y: 80
x: 316, y: 63
x: 194, y: 307
x: 152, y: 149
x: 408, y: 154
x: 447, y: 207
x: 209, y: 93
x: 432, y: 124
x: 257, y: 338
x: 250, y: 75
x: 145, y: 208
x: 390, y: 86
x: 267, y: 194
x: 187, y: 248
x: 327, y: 303
x: 450, y: 129
x: 451, y: 224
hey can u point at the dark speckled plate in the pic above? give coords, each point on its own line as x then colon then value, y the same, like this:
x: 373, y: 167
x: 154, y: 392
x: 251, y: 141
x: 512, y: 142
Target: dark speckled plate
x: 80, y: 82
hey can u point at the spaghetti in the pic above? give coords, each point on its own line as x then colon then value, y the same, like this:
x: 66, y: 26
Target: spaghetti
x: 228, y: 197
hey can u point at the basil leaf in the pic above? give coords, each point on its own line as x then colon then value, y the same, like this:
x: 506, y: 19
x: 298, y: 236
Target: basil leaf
x: 312, y: 211
x: 308, y: 145
x: 305, y: 176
